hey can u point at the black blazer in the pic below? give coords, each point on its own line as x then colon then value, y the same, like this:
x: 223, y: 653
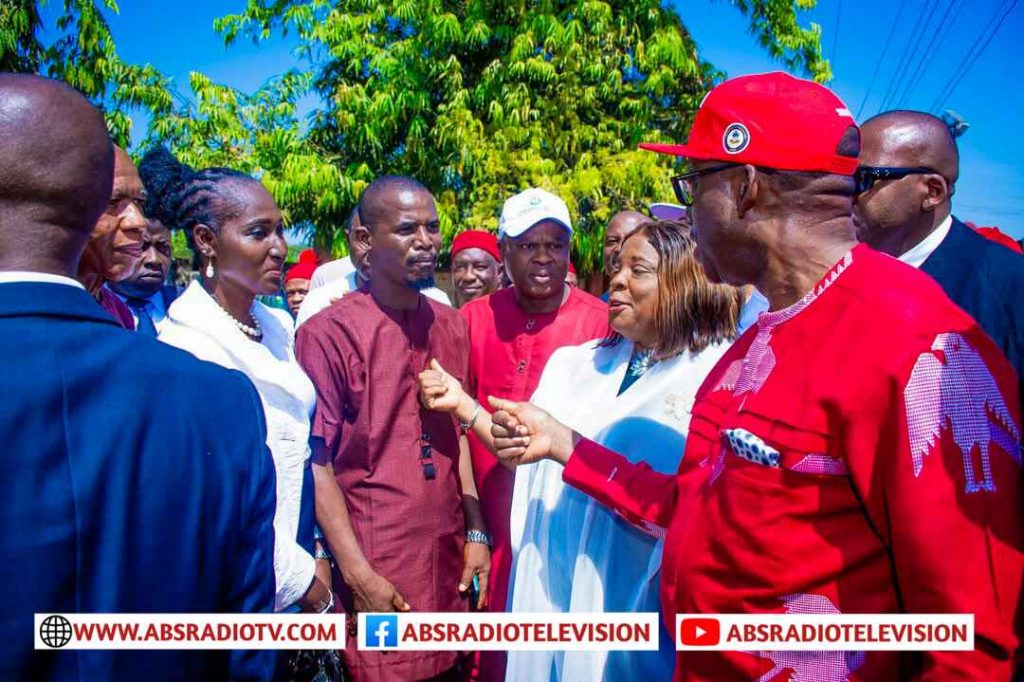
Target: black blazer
x: 133, y: 478
x: 986, y: 279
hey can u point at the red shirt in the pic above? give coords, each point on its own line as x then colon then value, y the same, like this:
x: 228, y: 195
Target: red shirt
x: 857, y: 452
x: 508, y: 351
x: 364, y: 360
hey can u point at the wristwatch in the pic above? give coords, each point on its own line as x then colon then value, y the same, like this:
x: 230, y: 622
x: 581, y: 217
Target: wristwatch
x: 480, y: 537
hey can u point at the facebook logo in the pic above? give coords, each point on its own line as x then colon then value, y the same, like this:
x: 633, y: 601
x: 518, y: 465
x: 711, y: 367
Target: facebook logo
x: 382, y: 631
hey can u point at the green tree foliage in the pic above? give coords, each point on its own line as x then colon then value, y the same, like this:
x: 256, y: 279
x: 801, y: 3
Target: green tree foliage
x: 477, y: 98
x: 82, y: 53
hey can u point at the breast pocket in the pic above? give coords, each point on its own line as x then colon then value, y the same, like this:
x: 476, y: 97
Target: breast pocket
x: 791, y: 453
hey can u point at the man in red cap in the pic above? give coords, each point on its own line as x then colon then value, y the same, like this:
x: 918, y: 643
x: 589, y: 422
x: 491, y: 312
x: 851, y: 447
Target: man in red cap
x: 297, y: 280
x: 477, y: 269
x: 855, y: 451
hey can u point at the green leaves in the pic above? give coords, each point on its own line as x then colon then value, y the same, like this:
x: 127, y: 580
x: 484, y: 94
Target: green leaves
x: 476, y: 98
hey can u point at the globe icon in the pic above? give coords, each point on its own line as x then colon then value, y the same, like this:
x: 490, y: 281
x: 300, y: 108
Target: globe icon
x: 55, y: 631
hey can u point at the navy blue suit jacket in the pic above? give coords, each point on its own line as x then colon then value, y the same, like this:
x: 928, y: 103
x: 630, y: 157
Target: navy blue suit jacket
x: 986, y: 279
x: 134, y: 478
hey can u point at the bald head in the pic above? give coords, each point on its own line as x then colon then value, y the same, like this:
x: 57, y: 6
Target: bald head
x: 620, y: 226
x: 382, y: 195
x: 56, y: 170
x: 912, y: 138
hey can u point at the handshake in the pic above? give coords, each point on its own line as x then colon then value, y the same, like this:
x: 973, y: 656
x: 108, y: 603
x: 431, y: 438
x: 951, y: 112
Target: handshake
x: 517, y: 433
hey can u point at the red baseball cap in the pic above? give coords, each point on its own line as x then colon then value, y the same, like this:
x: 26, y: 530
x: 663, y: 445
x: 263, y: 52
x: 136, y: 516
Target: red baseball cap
x: 772, y: 120
x: 304, y: 268
x: 476, y: 239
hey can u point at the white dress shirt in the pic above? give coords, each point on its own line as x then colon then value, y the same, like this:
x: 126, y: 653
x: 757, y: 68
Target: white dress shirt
x: 331, y: 272
x: 21, y: 276
x: 919, y: 254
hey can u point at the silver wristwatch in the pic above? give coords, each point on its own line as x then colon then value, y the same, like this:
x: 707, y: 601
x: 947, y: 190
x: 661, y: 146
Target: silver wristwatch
x: 478, y: 536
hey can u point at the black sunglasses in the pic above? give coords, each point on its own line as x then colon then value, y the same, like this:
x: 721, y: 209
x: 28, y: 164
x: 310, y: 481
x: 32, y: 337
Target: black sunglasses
x: 684, y: 185
x: 867, y: 176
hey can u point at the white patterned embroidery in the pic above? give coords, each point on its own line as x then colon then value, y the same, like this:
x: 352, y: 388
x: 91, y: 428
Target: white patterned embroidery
x: 679, y: 406
x: 820, y: 666
x: 716, y: 462
x: 749, y: 373
x: 951, y: 388
x: 820, y: 464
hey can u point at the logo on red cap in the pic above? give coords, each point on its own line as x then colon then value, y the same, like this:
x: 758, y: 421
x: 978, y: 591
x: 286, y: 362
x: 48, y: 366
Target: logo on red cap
x: 736, y: 138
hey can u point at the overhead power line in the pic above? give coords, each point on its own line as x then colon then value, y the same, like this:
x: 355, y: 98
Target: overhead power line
x: 835, y: 36
x: 881, y: 59
x: 939, y: 32
x: 973, y: 54
x: 908, y: 50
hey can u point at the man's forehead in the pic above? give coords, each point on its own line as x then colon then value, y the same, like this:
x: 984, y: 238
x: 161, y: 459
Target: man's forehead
x: 408, y: 200
x: 474, y: 255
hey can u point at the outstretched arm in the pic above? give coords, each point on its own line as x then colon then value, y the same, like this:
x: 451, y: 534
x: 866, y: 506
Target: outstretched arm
x: 524, y: 433
x: 441, y: 392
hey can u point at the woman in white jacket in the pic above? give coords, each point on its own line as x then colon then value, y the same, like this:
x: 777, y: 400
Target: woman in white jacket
x: 236, y: 232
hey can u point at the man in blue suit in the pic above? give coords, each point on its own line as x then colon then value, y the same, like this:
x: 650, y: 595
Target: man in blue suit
x: 134, y: 477
x: 909, y: 165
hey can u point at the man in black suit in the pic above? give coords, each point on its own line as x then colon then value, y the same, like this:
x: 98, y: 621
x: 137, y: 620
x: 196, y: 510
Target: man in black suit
x: 909, y: 166
x: 134, y: 478
x: 144, y: 289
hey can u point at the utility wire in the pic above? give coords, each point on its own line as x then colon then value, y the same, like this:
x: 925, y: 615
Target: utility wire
x: 901, y: 64
x: 940, y: 30
x: 881, y: 59
x: 835, y: 37
x: 970, y: 60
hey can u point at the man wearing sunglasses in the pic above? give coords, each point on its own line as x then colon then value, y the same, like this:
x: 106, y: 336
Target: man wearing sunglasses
x: 909, y: 166
x: 845, y: 455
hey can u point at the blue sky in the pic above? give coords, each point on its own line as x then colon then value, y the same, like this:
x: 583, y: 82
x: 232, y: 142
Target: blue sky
x: 178, y: 37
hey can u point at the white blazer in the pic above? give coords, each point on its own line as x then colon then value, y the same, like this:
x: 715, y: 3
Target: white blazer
x: 197, y: 324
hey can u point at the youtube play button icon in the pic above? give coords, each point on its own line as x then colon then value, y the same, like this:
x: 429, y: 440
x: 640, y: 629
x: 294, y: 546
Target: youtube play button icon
x: 699, y: 632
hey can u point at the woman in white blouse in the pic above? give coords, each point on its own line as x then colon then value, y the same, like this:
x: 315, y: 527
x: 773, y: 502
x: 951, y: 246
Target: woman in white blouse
x: 236, y: 231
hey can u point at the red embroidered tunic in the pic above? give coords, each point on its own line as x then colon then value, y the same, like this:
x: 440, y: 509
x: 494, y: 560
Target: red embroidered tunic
x: 857, y: 452
x: 508, y: 351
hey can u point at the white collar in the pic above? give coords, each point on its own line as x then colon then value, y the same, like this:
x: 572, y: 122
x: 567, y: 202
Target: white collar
x: 16, y: 276
x: 916, y: 256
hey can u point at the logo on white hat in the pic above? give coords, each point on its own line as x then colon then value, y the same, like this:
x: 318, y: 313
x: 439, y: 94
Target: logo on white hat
x: 736, y: 138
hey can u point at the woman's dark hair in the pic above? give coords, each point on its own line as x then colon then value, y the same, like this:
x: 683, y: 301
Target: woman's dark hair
x: 181, y: 197
x: 692, y: 312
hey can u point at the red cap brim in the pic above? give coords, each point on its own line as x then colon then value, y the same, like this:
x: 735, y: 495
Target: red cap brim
x: 673, y: 149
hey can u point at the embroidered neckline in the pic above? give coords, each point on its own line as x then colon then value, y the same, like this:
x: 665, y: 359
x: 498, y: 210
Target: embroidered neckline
x: 769, y: 319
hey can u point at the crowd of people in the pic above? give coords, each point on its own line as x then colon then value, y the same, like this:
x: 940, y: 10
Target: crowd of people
x: 800, y: 393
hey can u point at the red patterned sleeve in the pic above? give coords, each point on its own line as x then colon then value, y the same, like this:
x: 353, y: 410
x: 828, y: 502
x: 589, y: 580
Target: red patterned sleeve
x: 637, y: 492
x: 943, y: 489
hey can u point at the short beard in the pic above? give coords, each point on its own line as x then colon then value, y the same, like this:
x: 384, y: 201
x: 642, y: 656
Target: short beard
x: 422, y: 283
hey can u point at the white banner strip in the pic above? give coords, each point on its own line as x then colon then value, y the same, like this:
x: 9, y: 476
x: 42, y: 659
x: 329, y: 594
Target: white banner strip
x: 188, y: 631
x: 825, y: 632
x: 509, y: 631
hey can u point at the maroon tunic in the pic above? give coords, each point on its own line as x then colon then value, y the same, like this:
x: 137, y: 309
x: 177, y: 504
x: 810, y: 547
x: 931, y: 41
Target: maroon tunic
x: 364, y: 360
x: 117, y: 309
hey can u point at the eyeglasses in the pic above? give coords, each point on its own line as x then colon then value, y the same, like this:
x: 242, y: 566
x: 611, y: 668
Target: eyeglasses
x: 867, y: 176
x: 684, y: 184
